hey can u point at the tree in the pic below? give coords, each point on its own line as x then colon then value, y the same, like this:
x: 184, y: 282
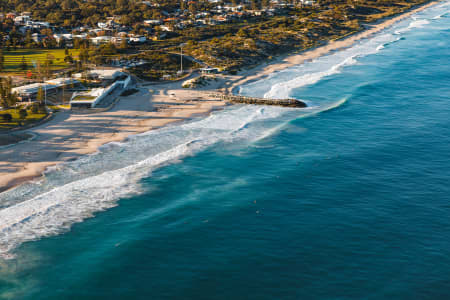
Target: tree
x: 23, y: 64
x: 28, y: 39
x: 7, y: 97
x: 47, y: 68
x: 68, y: 59
x: 40, y: 95
x: 23, y: 113
x: 34, y: 108
x: 6, y: 117
x: 2, y: 59
x: 123, y: 44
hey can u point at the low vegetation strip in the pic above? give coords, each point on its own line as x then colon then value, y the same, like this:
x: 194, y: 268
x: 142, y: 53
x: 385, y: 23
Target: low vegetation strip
x: 13, y: 59
x: 12, y: 118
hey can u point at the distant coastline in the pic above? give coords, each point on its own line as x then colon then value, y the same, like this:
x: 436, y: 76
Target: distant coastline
x: 68, y: 136
x: 289, y: 60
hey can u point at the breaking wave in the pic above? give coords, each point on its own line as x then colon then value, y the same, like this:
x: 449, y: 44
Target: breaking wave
x: 74, y: 191
x: 283, y: 89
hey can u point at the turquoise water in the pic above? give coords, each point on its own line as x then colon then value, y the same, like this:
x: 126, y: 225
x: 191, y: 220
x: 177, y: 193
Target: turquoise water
x: 345, y: 200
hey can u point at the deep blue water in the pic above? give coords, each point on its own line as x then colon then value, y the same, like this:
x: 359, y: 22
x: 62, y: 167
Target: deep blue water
x: 346, y: 200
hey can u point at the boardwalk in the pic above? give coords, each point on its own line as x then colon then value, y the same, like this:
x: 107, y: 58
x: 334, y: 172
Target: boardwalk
x: 259, y: 101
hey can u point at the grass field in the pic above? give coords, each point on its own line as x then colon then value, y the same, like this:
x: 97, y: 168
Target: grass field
x: 16, y: 121
x: 13, y: 59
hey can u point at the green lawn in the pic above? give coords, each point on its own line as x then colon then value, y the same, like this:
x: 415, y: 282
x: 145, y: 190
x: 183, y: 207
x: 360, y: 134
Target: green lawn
x: 13, y: 59
x: 16, y: 121
x: 84, y: 98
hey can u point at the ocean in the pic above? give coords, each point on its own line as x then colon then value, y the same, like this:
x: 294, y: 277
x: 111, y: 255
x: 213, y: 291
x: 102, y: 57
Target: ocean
x: 347, y: 199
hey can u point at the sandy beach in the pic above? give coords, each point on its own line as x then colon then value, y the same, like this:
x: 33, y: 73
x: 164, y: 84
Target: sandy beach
x: 70, y: 135
x: 296, y: 59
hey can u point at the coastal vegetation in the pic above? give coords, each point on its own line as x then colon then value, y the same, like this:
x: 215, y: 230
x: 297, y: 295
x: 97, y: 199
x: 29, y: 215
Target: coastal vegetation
x: 227, y: 35
x: 160, y: 63
x: 19, y: 116
x: 301, y: 28
x: 13, y: 115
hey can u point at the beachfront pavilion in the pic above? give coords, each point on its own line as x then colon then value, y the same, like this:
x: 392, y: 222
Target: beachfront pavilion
x: 107, y: 76
x: 28, y: 93
x: 207, y: 71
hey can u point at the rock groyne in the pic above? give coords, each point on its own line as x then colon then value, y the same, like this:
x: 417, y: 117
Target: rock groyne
x: 289, y: 102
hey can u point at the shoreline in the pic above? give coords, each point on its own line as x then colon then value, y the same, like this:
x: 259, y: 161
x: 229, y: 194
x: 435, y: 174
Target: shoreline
x: 290, y: 60
x: 68, y: 136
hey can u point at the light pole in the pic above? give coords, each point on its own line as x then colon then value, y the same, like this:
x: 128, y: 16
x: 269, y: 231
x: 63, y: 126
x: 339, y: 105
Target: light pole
x: 45, y: 94
x: 181, y: 55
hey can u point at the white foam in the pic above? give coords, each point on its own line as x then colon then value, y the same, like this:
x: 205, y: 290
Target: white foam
x: 282, y: 84
x: 285, y: 81
x: 282, y: 89
x: 337, y: 60
x: 418, y: 23
x: 306, y: 113
x: 76, y: 190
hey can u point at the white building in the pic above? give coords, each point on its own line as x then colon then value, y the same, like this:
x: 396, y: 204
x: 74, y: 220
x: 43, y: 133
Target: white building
x: 152, y: 22
x: 29, y: 92
x: 90, y: 99
x: 102, y: 74
x: 138, y: 39
x: 98, y: 40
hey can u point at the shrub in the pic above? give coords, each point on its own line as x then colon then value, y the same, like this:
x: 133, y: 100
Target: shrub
x: 6, y: 117
x: 23, y: 113
x: 34, y: 108
x: 42, y: 109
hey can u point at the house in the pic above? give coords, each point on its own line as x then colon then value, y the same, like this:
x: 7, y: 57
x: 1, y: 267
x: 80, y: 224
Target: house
x: 61, y: 37
x: 208, y: 70
x: 38, y: 25
x: 11, y: 15
x: 99, y: 40
x: 37, y: 37
x: 152, y: 22
x: 233, y: 8
x: 118, y: 40
x: 79, y: 36
x: 138, y: 39
x: 21, y: 20
x: 165, y: 28
x: 159, y: 36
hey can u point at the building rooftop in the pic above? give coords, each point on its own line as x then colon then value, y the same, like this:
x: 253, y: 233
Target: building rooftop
x: 49, y: 84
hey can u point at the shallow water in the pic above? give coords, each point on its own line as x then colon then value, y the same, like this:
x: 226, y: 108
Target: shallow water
x: 347, y: 199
